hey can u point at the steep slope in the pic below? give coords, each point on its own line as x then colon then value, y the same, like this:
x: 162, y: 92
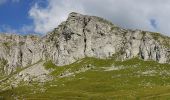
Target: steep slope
x: 82, y: 36
x: 98, y: 79
x: 19, y: 51
x: 85, y: 57
x: 88, y: 36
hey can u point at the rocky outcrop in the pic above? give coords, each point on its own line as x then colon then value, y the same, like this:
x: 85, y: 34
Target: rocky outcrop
x: 89, y: 36
x: 36, y: 72
x: 19, y: 51
x: 83, y: 36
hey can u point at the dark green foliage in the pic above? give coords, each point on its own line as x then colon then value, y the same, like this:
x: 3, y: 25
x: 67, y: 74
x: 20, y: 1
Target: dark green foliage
x: 3, y: 64
x: 7, y: 45
x: 115, y: 28
x: 21, y: 43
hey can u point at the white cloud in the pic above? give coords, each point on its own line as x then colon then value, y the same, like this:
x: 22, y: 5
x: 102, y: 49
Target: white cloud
x: 26, y: 29
x: 7, y: 29
x: 46, y: 19
x: 136, y: 14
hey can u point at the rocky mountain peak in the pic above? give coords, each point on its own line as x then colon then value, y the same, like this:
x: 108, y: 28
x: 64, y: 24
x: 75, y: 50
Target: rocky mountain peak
x: 77, y: 51
x: 74, y: 14
x: 83, y: 36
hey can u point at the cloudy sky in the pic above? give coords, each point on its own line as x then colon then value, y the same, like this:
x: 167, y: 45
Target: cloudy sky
x: 41, y: 16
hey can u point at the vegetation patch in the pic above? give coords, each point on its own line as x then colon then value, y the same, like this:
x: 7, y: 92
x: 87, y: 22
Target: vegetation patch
x: 49, y: 65
x: 137, y: 79
x: 164, y: 40
x: 114, y: 28
x: 104, y: 20
x: 21, y: 43
x: 3, y: 64
x: 7, y: 45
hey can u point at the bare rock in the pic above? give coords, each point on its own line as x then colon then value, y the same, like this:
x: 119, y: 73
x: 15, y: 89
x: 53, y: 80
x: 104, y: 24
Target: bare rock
x: 82, y: 36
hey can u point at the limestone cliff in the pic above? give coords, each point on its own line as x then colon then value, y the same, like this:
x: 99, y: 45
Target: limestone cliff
x: 82, y: 36
x: 89, y: 36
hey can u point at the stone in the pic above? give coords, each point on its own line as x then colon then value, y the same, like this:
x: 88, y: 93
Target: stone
x: 82, y: 36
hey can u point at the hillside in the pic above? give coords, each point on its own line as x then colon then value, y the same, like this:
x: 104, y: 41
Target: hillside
x: 92, y: 78
x: 85, y: 57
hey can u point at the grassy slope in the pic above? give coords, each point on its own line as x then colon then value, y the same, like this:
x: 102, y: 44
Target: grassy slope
x: 133, y: 79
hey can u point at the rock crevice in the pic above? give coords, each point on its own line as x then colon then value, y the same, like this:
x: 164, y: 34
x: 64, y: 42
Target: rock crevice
x: 83, y: 36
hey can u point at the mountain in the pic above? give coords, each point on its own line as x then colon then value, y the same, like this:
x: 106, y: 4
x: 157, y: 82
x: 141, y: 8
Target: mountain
x: 83, y: 36
x: 84, y: 51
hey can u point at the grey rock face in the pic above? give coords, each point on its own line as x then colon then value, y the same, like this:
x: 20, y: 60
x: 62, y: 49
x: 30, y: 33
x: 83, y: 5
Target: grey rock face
x: 83, y: 36
x: 19, y: 51
x: 88, y: 36
x: 34, y: 73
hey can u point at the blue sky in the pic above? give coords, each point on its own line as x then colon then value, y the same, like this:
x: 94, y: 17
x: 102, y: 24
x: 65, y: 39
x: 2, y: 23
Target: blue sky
x: 42, y: 16
x: 14, y: 15
x: 15, y: 18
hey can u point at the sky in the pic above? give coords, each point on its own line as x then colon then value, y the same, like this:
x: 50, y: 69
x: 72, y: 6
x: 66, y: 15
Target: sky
x: 42, y: 16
